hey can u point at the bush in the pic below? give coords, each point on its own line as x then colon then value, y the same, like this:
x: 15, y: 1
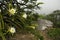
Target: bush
x: 54, y: 33
x: 16, y: 16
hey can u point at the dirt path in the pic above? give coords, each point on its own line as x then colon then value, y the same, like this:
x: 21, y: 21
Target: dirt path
x: 44, y: 34
x: 23, y: 37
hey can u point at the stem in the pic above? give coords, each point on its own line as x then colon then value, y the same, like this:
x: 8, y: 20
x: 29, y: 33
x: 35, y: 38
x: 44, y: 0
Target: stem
x: 1, y: 27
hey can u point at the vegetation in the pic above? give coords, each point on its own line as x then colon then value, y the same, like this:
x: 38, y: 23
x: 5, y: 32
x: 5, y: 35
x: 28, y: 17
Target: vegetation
x: 55, y: 18
x: 18, y: 16
x: 42, y: 16
x: 54, y: 33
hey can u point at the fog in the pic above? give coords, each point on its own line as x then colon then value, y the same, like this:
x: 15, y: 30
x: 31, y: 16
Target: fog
x: 48, y: 6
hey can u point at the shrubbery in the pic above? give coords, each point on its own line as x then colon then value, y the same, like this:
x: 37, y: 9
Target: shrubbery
x: 18, y: 15
x: 54, y: 33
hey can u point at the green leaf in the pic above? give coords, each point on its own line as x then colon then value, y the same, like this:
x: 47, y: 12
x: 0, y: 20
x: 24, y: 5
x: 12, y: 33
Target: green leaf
x: 40, y: 3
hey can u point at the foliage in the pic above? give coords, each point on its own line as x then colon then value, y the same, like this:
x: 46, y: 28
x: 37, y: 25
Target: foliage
x: 55, y: 18
x: 42, y: 16
x: 16, y: 16
x: 54, y: 33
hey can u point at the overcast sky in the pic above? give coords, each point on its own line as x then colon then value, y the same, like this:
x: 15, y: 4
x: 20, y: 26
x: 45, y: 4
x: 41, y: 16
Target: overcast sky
x: 49, y: 6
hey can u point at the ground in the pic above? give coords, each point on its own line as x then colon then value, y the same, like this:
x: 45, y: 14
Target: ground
x: 23, y: 37
x: 29, y: 36
x: 44, y: 34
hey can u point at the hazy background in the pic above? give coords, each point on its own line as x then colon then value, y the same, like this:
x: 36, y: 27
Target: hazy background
x: 49, y: 6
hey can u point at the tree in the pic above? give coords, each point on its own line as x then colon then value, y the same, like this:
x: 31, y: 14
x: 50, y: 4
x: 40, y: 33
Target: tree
x: 18, y: 15
x: 55, y: 18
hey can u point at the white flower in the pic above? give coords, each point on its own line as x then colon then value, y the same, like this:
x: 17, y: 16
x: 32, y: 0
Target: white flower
x: 12, y: 30
x: 25, y: 15
x: 12, y: 11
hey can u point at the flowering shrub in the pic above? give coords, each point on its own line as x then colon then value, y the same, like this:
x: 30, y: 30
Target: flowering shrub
x: 14, y: 19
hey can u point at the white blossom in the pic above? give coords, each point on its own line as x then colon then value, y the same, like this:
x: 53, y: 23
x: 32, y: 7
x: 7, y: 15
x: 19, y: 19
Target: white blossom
x: 24, y: 15
x: 12, y: 11
x: 12, y: 30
